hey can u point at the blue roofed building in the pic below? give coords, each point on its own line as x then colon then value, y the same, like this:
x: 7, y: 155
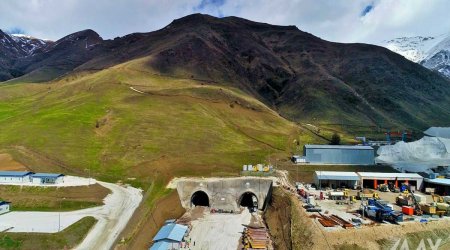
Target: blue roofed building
x: 47, y: 178
x: 15, y: 176
x: 169, y: 236
x: 339, y: 154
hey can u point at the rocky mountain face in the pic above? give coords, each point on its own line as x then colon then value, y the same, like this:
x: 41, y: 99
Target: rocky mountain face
x: 432, y: 52
x: 296, y: 73
x: 30, y: 44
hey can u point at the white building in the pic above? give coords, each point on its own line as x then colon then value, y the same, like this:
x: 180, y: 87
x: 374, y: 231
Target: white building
x: 15, y: 176
x: 336, y: 179
x: 47, y: 178
x: 4, y: 207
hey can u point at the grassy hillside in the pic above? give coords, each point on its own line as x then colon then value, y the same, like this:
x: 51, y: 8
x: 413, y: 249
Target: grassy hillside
x: 164, y: 127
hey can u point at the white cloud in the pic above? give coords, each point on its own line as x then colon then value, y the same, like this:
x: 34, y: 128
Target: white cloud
x: 337, y: 20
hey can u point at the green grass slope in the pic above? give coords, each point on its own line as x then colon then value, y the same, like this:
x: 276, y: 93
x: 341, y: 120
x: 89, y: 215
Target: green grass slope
x: 165, y: 127
x: 97, y: 121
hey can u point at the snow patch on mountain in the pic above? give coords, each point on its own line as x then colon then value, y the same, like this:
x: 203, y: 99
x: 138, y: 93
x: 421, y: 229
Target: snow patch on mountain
x: 414, y: 48
x: 432, y: 52
x: 29, y: 44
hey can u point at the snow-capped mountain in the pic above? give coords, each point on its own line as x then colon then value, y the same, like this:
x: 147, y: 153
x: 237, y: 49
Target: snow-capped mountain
x: 432, y: 52
x: 29, y: 44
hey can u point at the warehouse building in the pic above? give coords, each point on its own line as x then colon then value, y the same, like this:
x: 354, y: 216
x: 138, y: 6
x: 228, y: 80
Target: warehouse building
x: 441, y: 186
x: 4, y: 207
x: 336, y: 179
x: 372, y: 180
x: 339, y: 154
x: 47, y: 178
x: 170, y: 236
x: 15, y: 176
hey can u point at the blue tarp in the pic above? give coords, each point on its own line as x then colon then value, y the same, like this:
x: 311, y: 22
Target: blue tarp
x: 171, y: 231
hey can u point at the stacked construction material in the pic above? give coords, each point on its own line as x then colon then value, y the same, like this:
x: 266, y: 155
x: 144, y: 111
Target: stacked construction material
x: 332, y: 220
x: 256, y: 238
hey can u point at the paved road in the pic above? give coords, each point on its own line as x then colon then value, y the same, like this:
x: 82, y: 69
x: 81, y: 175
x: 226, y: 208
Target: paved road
x: 112, y: 218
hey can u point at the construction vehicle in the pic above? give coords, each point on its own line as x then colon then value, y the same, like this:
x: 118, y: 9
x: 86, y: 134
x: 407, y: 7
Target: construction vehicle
x: 404, y: 200
x: 428, y: 209
x: 417, y: 208
x: 383, y: 188
x: 442, y: 204
x: 338, y: 195
x: 437, y: 198
x: 366, y: 194
x: 380, y: 211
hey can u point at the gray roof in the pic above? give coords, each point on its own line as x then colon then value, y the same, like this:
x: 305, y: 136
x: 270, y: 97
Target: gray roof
x: 15, y: 173
x: 352, y: 147
x: 439, y: 181
x: 443, y: 132
x: 337, y: 175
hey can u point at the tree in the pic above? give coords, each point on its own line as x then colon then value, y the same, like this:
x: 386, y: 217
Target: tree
x: 335, y: 139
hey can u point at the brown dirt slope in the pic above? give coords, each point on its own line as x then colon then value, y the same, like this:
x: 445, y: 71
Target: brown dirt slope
x: 7, y: 163
x: 168, y: 207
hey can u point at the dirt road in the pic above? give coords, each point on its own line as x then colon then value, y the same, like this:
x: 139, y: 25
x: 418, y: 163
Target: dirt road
x: 218, y: 231
x: 112, y: 218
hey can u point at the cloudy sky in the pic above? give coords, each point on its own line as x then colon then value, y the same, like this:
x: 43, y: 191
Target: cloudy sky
x: 370, y: 21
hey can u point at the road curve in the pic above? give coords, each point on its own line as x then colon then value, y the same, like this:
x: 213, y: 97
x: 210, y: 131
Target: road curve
x: 112, y: 217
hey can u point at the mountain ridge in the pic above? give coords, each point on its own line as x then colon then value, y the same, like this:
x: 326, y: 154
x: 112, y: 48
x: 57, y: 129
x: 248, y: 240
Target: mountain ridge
x: 301, y: 76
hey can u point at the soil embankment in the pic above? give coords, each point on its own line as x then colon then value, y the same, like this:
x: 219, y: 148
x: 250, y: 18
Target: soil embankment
x: 168, y: 207
x: 289, y: 227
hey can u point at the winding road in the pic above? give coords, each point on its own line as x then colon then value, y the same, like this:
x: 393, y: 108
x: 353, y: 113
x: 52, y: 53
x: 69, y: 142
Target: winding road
x: 111, y: 218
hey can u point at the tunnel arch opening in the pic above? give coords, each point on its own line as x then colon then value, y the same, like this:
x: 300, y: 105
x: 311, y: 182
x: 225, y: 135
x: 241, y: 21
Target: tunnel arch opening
x: 200, y: 198
x: 249, y: 200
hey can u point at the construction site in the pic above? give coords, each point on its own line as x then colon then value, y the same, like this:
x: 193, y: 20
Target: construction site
x: 332, y: 197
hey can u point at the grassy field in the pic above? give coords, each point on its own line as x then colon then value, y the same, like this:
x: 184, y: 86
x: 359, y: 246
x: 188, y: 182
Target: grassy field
x: 53, y: 199
x: 66, y: 239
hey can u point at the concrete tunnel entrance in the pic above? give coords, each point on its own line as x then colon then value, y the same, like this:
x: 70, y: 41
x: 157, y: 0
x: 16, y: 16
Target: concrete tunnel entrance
x: 249, y: 200
x: 200, y: 198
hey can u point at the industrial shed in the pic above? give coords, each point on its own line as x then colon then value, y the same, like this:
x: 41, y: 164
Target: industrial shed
x: 442, y: 186
x: 372, y: 180
x: 47, y: 178
x: 339, y: 154
x: 169, y: 236
x: 336, y: 179
x: 15, y: 176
